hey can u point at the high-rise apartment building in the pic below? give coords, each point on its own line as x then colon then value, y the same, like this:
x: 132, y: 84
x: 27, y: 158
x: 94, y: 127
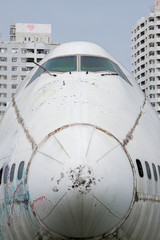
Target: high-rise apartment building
x: 29, y: 43
x: 146, y: 55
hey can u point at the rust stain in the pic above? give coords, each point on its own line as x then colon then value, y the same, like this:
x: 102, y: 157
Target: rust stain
x: 22, y: 123
x: 146, y: 197
x: 129, y: 135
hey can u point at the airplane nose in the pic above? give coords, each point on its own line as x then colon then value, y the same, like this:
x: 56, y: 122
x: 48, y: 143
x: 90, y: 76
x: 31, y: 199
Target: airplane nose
x: 80, y: 182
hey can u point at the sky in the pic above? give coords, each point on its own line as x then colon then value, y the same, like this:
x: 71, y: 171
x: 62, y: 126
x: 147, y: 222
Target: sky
x: 105, y: 22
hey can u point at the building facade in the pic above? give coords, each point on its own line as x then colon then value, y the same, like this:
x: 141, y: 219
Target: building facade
x: 146, y: 55
x: 17, y: 57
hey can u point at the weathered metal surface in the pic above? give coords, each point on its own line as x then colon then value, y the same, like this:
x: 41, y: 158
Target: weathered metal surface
x: 79, y: 135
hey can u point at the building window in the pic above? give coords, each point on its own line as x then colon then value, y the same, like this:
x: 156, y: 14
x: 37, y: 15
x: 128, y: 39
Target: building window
x: 151, y: 27
x: 23, y: 69
x: 151, y: 53
x: 3, y: 95
x: 14, y: 77
x: 154, y: 172
x: 152, y: 61
x: 152, y: 70
x: 3, y: 85
x: 3, y: 68
x: 151, y: 19
x: 153, y: 104
x: 14, y: 50
x: 29, y: 68
x: 14, y: 68
x: 3, y: 77
x: 14, y: 86
x: 152, y: 95
x: 3, y: 59
x: 148, y: 170
x: 140, y: 168
x: 30, y: 60
x: 23, y: 50
x: 2, y: 113
x: 46, y: 51
x: 152, y: 79
x: 151, y: 36
x: 39, y: 59
x: 3, y: 104
x: 3, y: 50
x: 142, y: 74
x: 40, y: 51
x: 14, y: 59
x: 23, y: 60
x: 20, y: 170
x: 30, y: 50
x: 151, y: 44
x: 23, y: 77
x: 152, y: 87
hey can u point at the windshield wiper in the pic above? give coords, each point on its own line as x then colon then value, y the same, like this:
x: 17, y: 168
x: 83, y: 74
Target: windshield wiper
x: 54, y: 75
x: 109, y: 73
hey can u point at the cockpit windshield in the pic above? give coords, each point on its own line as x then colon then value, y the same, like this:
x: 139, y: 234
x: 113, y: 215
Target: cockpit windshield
x: 79, y: 63
x: 61, y: 64
x: 96, y: 64
x: 99, y: 64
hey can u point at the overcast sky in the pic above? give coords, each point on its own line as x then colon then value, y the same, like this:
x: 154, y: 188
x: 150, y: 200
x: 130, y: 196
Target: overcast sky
x: 105, y: 22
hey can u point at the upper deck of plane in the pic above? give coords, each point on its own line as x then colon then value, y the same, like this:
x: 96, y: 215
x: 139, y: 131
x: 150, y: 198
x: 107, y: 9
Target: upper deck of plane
x: 79, y: 56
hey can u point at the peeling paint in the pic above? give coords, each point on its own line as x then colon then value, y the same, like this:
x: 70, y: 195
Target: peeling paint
x: 81, y: 178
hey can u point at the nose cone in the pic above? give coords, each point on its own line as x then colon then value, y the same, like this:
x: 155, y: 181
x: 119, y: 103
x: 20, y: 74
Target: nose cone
x: 80, y: 183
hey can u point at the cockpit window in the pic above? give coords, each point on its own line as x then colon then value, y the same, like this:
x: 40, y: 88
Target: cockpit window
x: 96, y: 64
x: 99, y: 64
x: 59, y: 64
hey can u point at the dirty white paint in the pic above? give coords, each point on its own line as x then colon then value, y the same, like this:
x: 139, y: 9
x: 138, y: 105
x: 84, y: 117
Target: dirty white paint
x: 80, y: 135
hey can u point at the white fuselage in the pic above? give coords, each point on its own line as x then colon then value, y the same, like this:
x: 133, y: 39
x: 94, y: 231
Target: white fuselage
x: 76, y: 146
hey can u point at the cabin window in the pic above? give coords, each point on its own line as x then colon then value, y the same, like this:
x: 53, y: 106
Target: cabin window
x: 1, y: 172
x: 12, y: 172
x: 140, y: 168
x: 154, y: 172
x: 5, y: 176
x: 159, y: 170
x: 148, y: 170
x: 20, y: 170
